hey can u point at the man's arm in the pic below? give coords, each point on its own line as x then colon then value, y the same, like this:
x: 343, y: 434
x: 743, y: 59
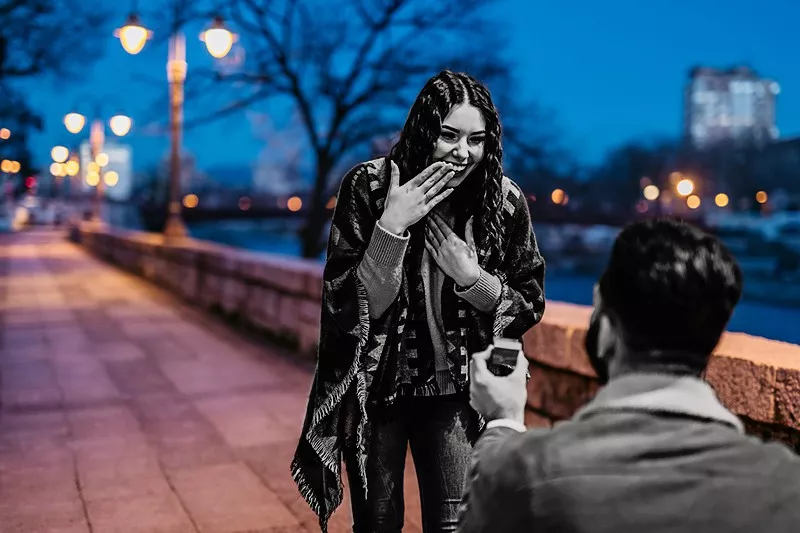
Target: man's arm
x: 496, y: 496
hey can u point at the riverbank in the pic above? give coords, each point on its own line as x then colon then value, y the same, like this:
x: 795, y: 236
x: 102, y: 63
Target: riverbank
x: 769, y: 309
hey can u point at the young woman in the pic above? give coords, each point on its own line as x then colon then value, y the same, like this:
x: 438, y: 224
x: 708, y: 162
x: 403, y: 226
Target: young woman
x: 431, y: 255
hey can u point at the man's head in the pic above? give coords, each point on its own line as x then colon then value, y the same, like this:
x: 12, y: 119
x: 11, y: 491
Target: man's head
x: 664, y: 300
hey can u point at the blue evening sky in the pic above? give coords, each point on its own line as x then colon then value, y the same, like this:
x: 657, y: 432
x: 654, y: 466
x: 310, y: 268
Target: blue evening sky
x: 612, y: 70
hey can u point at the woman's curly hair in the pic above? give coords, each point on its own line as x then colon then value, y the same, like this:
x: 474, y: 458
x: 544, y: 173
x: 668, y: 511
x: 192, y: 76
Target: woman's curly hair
x: 481, y: 192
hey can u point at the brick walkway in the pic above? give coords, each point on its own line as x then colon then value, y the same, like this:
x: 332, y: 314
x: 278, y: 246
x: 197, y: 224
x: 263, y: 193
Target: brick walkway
x: 125, y: 411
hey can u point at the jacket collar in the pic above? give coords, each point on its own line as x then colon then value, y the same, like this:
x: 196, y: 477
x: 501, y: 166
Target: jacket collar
x: 661, y: 393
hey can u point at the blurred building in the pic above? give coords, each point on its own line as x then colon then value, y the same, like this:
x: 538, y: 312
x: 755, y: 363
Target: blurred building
x: 120, y: 161
x: 729, y: 105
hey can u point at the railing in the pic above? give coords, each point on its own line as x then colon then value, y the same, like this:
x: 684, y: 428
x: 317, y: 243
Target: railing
x: 756, y: 378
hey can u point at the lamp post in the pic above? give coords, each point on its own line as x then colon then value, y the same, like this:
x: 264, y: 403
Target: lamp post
x: 218, y: 40
x: 120, y: 126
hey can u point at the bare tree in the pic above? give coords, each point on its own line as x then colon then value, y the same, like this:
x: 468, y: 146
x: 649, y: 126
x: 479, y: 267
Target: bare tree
x: 48, y: 36
x: 352, y: 69
x: 38, y: 38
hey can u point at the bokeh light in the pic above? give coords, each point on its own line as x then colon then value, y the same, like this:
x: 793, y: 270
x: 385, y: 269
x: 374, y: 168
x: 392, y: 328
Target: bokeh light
x: 721, y: 199
x: 111, y: 178
x: 693, y: 202
x: 651, y: 192
x: 74, y: 122
x: 190, y: 201
x: 72, y: 167
x: 59, y: 154
x: 92, y: 179
x: 294, y: 203
x: 761, y: 197
x: 120, y: 125
x: 685, y: 187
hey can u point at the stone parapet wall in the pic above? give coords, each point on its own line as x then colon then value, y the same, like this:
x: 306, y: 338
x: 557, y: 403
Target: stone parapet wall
x: 758, y: 379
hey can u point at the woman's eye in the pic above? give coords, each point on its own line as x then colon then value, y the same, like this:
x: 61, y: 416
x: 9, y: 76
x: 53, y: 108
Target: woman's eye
x: 477, y: 140
x: 448, y: 136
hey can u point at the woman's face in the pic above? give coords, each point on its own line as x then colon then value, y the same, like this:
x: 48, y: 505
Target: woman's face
x: 461, y: 141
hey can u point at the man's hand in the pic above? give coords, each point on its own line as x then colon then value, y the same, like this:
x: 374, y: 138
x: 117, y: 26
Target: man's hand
x: 497, y: 397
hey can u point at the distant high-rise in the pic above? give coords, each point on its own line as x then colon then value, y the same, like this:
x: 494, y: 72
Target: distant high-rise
x: 734, y: 104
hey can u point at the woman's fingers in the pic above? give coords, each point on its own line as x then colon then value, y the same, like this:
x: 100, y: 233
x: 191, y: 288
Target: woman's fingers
x: 438, y: 185
x: 430, y: 171
x: 437, y: 199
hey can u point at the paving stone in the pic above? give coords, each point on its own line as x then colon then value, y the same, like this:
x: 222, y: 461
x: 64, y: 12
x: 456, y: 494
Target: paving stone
x: 114, y: 395
x: 161, y: 513
x: 230, y: 498
x: 138, y: 377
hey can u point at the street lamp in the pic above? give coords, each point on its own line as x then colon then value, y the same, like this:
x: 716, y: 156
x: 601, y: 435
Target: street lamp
x: 59, y: 154
x: 218, y: 40
x: 120, y: 126
x: 132, y: 35
x: 74, y: 122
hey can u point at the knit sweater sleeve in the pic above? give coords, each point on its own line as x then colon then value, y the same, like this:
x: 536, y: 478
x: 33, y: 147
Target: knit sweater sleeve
x: 381, y: 269
x: 484, y: 294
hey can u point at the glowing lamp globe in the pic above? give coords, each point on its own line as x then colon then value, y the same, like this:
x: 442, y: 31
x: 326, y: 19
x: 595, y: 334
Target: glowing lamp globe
x: 59, y: 154
x: 74, y: 122
x: 132, y: 35
x: 218, y: 39
x: 120, y: 125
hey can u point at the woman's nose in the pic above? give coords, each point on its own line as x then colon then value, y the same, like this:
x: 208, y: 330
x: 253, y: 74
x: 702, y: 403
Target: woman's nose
x: 461, y: 149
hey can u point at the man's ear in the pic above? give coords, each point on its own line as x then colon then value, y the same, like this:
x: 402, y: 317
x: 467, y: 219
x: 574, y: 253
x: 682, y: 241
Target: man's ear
x: 610, y: 334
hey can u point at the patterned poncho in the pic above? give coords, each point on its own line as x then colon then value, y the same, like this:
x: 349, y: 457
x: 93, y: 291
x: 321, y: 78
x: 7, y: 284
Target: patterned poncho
x: 362, y: 355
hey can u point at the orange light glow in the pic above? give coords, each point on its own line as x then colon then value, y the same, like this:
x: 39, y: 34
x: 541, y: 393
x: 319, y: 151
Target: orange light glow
x: 190, y: 201
x: 294, y: 203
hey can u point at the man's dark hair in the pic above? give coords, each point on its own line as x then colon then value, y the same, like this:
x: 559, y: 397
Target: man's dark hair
x: 672, y: 286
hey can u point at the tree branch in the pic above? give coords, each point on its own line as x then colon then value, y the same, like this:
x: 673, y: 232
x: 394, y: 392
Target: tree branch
x: 228, y: 109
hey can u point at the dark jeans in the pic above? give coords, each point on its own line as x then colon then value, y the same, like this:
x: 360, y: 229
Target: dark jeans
x: 441, y: 431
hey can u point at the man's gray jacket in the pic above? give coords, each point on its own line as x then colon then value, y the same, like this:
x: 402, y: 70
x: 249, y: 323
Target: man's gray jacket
x: 651, y: 453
